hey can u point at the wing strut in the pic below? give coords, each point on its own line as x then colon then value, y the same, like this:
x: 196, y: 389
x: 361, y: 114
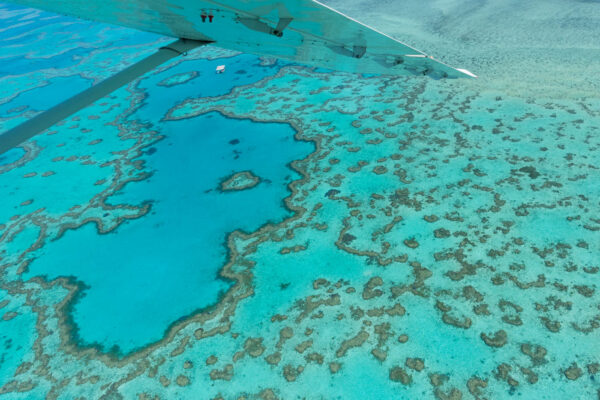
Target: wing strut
x: 45, y: 120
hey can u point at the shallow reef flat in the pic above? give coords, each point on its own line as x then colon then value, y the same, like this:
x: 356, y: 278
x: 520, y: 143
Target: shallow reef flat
x: 525, y: 48
x: 409, y: 238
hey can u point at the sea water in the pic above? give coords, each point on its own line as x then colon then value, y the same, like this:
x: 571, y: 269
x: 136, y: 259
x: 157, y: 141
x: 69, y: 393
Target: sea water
x: 285, y: 232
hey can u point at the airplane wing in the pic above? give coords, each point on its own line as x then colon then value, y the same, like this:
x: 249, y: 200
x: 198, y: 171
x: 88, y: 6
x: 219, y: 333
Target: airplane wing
x: 304, y: 31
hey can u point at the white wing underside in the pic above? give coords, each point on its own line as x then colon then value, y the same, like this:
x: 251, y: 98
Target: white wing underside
x: 303, y: 31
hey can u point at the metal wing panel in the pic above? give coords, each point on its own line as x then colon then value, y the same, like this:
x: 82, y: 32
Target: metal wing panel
x: 303, y: 31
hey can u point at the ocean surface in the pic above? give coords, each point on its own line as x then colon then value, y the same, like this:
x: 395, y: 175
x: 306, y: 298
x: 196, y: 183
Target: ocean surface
x: 283, y: 232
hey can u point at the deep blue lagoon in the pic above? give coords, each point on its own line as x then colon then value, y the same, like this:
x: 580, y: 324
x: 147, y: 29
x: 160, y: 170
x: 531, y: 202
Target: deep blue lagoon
x: 171, y: 257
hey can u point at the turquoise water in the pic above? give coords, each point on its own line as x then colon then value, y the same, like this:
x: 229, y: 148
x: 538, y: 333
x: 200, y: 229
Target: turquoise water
x: 172, y: 255
x: 183, y: 239
x: 11, y: 156
x: 406, y: 238
x: 45, y: 97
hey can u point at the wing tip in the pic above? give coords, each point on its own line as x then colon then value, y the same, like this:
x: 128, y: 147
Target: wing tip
x: 467, y: 72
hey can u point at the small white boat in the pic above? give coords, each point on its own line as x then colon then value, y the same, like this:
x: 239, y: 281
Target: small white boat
x: 220, y: 69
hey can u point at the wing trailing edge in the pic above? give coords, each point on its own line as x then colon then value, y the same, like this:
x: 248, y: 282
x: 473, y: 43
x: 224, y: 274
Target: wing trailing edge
x: 303, y: 31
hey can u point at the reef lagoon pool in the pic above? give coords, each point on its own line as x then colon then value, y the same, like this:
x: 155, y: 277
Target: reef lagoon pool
x: 171, y: 257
